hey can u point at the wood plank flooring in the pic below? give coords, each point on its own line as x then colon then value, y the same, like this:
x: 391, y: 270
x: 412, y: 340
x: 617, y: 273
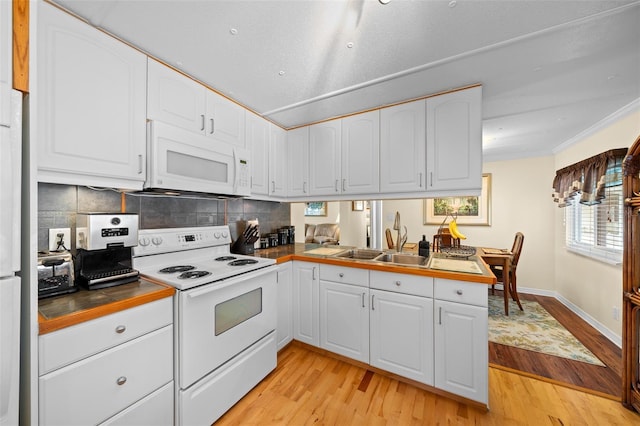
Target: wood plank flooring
x: 312, y: 388
x: 607, y: 380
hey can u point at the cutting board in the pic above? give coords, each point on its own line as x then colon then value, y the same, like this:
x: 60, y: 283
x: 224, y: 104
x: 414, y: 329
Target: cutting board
x: 455, y: 265
x: 325, y: 251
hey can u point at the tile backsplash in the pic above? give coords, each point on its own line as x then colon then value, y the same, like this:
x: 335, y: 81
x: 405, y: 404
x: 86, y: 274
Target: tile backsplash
x: 59, y: 204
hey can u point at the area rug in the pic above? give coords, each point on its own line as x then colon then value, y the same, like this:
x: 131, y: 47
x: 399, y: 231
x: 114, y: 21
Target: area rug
x: 535, y: 330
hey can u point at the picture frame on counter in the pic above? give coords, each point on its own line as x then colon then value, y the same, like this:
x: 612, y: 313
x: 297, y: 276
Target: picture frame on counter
x: 315, y: 208
x: 471, y: 210
x: 357, y: 206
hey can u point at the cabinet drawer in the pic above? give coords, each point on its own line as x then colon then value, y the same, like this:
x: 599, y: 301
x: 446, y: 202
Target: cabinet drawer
x: 345, y: 275
x: 94, y: 389
x: 400, y: 283
x: 462, y: 292
x: 153, y: 410
x: 74, y: 343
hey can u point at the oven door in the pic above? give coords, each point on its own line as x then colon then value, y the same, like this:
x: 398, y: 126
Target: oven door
x: 218, y: 321
x: 185, y: 161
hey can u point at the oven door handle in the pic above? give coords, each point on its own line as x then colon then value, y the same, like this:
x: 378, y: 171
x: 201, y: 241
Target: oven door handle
x: 206, y: 289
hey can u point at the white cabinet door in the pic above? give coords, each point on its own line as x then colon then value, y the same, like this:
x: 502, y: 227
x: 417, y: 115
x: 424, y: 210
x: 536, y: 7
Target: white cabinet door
x: 361, y: 153
x: 175, y: 98
x: 298, y: 157
x: 284, y: 329
x: 461, y: 350
x: 257, y: 133
x: 402, y: 335
x: 90, y: 98
x: 225, y: 119
x: 344, y: 319
x: 306, y: 294
x: 324, y: 158
x: 277, y: 161
x: 454, y: 140
x: 6, y: 61
x: 402, y: 148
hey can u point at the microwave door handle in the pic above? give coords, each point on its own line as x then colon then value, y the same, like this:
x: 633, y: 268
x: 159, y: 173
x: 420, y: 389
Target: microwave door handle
x: 235, y: 170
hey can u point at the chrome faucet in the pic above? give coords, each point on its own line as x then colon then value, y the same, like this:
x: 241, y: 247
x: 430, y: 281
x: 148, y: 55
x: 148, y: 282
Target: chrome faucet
x: 402, y: 239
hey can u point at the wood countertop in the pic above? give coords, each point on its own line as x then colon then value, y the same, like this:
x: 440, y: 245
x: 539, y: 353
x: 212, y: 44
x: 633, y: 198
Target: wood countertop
x: 58, y: 312
x: 296, y: 251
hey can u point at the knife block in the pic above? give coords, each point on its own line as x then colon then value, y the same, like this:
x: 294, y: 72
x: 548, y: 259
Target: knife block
x: 241, y: 246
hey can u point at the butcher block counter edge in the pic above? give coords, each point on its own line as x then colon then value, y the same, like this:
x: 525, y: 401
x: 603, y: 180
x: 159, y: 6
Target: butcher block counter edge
x: 48, y: 325
x: 296, y: 252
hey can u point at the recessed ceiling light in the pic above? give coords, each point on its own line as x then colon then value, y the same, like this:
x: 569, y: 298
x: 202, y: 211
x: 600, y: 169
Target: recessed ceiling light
x: 384, y: 1
x: 612, y: 77
x: 233, y: 31
x: 350, y: 44
x: 281, y: 72
x: 453, y: 3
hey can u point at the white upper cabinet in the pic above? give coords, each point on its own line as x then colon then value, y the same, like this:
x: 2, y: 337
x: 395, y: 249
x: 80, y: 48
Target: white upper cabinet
x: 298, y: 157
x: 324, y: 158
x: 454, y: 141
x: 402, y: 148
x: 361, y: 153
x: 90, y: 102
x: 277, y: 161
x: 257, y: 133
x: 6, y: 59
x: 177, y: 99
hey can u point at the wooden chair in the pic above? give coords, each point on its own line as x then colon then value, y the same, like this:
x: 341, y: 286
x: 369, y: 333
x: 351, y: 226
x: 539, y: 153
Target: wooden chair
x: 498, y: 272
x: 444, y: 239
x: 387, y: 233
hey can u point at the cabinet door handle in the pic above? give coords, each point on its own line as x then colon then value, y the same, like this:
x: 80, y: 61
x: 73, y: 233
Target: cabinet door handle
x: 313, y: 273
x: 363, y: 299
x: 430, y: 178
x: 139, y: 164
x: 121, y: 380
x: 420, y: 179
x: 398, y: 283
x: 336, y: 185
x: 341, y: 275
x: 459, y: 292
x: 304, y: 187
x: 202, y: 125
x: 120, y: 329
x: 273, y: 186
x: 343, y: 185
x: 213, y: 126
x: 440, y: 315
x: 373, y: 308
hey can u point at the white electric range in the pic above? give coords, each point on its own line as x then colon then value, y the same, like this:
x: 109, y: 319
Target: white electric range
x: 224, y: 316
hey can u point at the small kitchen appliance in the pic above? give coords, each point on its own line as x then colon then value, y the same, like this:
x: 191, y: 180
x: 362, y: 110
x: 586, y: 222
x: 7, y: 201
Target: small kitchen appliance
x: 104, y: 242
x: 55, y: 274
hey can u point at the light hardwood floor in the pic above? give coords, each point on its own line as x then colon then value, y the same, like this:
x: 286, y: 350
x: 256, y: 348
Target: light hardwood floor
x: 311, y: 388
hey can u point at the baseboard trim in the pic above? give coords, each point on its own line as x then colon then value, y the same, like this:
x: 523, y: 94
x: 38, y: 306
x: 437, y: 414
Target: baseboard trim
x: 605, y: 331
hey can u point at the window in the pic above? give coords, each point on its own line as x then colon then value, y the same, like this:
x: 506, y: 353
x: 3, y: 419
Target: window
x: 595, y: 228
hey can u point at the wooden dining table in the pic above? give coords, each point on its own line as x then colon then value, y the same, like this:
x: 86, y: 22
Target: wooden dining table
x: 500, y: 257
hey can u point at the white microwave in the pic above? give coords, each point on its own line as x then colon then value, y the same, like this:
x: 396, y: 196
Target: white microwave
x: 181, y: 160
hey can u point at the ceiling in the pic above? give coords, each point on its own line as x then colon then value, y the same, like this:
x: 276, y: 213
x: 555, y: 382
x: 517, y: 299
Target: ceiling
x: 550, y: 70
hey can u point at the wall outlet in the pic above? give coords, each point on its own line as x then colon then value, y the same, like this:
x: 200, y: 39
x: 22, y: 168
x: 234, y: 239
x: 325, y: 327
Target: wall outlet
x: 615, y: 313
x: 54, y: 238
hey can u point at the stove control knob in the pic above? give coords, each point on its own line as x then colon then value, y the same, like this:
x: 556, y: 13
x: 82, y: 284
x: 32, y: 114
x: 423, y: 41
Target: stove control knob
x: 216, y: 235
x: 225, y: 234
x: 144, y: 241
x: 156, y: 240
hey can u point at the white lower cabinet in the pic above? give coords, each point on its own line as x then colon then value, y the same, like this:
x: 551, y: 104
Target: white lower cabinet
x: 344, y: 319
x: 129, y: 382
x: 284, y: 329
x: 402, y: 335
x: 306, y: 296
x: 461, y: 336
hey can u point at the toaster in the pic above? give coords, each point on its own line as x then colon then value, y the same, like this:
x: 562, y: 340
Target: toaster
x: 55, y: 274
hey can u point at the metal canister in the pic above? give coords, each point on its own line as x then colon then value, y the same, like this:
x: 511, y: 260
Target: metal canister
x: 264, y: 242
x: 283, y: 236
x: 292, y: 234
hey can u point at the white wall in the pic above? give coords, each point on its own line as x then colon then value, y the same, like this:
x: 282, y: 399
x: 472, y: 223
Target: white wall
x: 594, y: 287
x: 520, y: 201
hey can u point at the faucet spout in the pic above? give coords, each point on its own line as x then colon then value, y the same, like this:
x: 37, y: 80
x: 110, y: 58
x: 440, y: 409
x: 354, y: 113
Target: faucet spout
x: 401, y: 239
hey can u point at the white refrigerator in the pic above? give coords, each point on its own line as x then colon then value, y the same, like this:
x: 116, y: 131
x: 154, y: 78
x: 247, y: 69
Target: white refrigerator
x: 10, y: 209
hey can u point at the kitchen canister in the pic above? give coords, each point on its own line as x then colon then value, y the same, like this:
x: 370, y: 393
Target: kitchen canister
x: 283, y: 236
x: 273, y: 240
x: 264, y: 242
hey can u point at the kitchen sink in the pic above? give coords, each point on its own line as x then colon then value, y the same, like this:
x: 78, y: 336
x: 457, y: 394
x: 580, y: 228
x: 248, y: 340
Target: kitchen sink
x: 402, y: 259
x: 360, y: 254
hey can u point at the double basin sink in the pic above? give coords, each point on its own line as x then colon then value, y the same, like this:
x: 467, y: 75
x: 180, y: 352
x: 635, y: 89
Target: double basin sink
x: 380, y: 256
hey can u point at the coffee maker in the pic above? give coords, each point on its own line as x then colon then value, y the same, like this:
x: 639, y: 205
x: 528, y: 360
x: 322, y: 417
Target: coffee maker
x: 103, y: 242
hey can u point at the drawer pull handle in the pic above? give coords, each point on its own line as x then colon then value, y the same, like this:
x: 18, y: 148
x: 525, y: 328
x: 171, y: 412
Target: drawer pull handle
x: 459, y: 292
x: 341, y: 275
x: 121, y: 380
x: 120, y: 329
x: 398, y: 283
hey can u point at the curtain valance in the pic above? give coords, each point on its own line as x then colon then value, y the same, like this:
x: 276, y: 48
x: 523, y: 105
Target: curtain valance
x: 587, y: 177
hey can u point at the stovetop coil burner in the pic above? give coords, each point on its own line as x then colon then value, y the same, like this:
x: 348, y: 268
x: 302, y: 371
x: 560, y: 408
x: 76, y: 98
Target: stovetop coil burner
x: 193, y: 274
x: 225, y: 258
x: 179, y: 268
x: 242, y: 262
